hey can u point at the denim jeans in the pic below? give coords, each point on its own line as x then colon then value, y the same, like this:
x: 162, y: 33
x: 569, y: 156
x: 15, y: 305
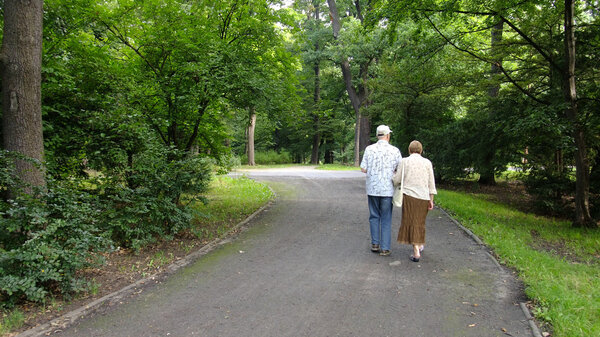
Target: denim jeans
x: 380, y: 219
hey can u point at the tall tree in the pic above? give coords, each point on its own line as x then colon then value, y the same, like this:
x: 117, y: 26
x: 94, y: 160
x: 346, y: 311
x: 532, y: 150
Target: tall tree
x: 487, y: 174
x: 250, y: 131
x: 314, y: 158
x: 359, y: 97
x: 582, y: 162
x: 21, y: 57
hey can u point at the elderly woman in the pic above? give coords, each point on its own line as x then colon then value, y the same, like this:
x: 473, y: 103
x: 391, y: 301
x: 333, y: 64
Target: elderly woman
x: 418, y: 190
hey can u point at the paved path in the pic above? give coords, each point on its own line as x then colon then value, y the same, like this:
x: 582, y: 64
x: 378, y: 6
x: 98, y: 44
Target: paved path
x: 303, y: 268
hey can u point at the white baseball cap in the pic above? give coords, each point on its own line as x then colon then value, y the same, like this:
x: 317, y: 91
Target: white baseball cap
x: 383, y: 130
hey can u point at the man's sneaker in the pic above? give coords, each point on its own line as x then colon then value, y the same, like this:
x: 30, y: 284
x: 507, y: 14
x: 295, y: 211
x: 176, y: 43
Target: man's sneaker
x: 384, y: 253
x: 375, y: 248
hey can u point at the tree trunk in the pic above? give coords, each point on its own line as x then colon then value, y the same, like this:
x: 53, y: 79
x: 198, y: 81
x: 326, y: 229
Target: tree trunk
x: 314, y: 158
x: 21, y: 58
x: 487, y: 174
x: 357, y: 140
x: 582, y: 184
x: 365, y: 130
x: 251, y: 127
x: 364, y: 98
x: 328, y: 156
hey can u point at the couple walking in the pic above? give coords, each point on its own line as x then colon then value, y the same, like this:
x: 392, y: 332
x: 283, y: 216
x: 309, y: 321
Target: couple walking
x: 385, y: 169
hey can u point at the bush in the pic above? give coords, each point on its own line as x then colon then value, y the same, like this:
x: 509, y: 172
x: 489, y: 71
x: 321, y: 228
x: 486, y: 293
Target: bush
x: 47, y: 237
x: 147, y: 206
x: 551, y: 190
x: 270, y: 157
x: 226, y: 163
x: 45, y: 240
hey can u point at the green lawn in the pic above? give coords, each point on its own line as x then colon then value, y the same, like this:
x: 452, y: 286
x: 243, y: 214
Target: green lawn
x: 260, y: 166
x: 559, y: 265
x: 330, y: 167
x: 230, y: 200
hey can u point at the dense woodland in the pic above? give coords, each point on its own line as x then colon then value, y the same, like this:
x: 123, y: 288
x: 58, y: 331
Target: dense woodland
x: 116, y: 113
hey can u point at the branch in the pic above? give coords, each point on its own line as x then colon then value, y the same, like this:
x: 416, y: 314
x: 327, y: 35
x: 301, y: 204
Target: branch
x: 123, y: 40
x: 227, y: 21
x: 531, y: 43
x: 156, y: 127
x: 510, y: 79
x: 359, y: 11
x: 427, y: 10
x: 194, y: 135
x: 509, y: 23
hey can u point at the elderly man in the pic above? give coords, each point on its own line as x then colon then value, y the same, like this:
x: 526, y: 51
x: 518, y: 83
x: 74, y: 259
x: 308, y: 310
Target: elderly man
x: 379, y: 162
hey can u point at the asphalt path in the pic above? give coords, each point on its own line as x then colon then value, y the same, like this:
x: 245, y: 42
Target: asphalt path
x: 303, y: 267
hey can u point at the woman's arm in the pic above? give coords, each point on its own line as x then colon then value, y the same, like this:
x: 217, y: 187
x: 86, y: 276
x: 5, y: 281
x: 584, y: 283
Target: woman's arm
x: 397, y: 177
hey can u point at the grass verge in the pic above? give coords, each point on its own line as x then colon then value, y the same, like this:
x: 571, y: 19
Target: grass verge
x: 261, y: 166
x: 230, y: 200
x: 559, y: 264
x: 11, y: 320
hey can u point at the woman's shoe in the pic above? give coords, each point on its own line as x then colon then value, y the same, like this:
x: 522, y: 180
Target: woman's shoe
x: 414, y: 259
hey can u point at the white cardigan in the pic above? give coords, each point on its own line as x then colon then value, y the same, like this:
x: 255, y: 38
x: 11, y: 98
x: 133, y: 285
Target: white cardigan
x: 418, y: 177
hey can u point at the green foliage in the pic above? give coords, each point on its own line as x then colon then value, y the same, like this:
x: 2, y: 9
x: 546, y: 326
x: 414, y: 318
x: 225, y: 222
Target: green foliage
x: 11, y: 321
x: 557, y: 263
x: 147, y: 204
x: 552, y: 191
x: 45, y: 240
x: 269, y: 157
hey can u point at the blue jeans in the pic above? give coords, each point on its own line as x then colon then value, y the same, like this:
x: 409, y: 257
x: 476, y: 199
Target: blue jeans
x: 380, y: 219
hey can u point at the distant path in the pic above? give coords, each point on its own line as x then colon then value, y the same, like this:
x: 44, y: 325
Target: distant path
x: 304, y: 268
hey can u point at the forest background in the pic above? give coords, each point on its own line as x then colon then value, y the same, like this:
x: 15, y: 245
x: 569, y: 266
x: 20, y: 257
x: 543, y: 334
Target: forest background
x: 116, y: 114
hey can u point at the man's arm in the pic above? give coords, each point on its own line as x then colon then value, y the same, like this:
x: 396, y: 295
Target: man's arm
x: 364, y: 165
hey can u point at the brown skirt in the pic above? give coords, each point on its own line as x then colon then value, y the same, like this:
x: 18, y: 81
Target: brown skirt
x: 412, y: 228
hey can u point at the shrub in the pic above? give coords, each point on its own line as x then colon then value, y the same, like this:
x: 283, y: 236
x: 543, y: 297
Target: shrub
x: 552, y: 191
x: 46, y: 239
x: 147, y: 205
x: 226, y: 163
x: 270, y: 157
